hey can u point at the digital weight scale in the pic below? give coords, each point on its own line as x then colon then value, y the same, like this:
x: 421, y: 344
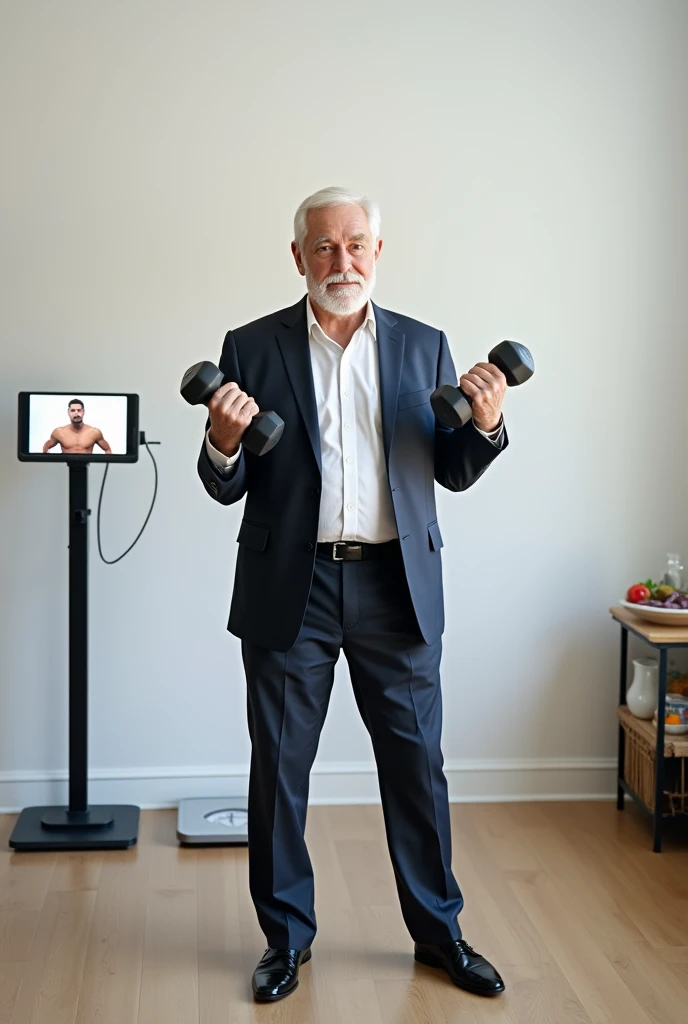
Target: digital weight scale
x: 213, y: 821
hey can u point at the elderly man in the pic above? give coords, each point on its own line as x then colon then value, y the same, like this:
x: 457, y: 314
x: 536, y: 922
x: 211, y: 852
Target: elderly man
x: 339, y: 549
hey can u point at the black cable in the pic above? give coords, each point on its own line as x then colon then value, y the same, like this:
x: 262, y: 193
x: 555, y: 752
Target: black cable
x: 100, y: 499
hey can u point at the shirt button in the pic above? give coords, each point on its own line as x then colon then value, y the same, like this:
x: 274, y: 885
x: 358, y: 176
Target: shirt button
x: 349, y: 459
x: 350, y: 507
x: 346, y: 393
x: 347, y: 424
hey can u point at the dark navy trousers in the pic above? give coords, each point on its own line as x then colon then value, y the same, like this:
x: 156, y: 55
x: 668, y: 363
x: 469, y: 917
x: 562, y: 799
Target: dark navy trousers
x: 363, y: 608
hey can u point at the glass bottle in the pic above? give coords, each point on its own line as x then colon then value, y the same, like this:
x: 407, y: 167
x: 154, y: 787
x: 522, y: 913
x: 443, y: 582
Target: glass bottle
x: 673, y: 573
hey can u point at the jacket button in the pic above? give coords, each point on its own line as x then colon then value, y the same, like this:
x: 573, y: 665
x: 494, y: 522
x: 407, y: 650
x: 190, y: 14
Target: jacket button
x: 213, y: 487
x: 315, y: 492
x: 309, y: 546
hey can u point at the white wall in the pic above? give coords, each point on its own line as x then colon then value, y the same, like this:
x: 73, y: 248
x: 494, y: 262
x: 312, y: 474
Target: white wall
x: 530, y: 162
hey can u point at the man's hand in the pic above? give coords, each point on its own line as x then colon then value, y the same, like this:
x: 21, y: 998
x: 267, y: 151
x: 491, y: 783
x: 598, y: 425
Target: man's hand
x: 231, y: 411
x: 485, y: 386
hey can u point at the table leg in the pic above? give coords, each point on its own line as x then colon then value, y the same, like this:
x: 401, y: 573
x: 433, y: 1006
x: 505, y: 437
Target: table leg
x: 659, y: 753
x: 622, y: 735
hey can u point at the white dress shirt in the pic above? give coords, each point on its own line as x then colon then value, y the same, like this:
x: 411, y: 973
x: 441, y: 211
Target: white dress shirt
x: 347, y: 393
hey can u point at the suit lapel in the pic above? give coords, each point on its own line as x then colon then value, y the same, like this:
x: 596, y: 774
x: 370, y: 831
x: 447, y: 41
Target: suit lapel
x: 390, y: 346
x: 292, y: 338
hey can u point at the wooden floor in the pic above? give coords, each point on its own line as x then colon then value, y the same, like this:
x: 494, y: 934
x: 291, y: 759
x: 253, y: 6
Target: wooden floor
x: 584, y: 922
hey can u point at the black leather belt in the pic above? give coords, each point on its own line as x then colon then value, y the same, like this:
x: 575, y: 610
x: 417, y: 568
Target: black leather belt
x: 353, y: 551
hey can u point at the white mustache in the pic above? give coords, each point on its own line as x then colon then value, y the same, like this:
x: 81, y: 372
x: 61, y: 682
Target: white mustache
x: 350, y: 278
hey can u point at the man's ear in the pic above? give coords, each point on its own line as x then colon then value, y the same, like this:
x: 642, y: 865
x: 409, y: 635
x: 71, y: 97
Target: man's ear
x: 378, y: 248
x: 298, y: 259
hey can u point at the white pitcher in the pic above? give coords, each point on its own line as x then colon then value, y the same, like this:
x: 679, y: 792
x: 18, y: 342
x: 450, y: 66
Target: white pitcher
x: 644, y: 692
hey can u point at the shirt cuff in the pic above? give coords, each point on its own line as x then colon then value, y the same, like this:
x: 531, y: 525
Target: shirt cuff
x: 493, y: 435
x: 220, y: 461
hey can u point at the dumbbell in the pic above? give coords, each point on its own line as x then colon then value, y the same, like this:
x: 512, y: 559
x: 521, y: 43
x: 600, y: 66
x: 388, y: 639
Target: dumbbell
x: 453, y: 408
x: 199, y: 384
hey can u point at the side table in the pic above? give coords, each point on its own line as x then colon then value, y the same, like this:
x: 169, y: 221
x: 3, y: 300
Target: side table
x: 662, y: 639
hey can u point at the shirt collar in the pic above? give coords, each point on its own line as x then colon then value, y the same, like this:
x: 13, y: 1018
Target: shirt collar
x: 312, y: 322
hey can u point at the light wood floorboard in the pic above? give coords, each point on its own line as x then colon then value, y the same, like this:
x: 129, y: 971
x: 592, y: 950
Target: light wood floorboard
x: 585, y: 923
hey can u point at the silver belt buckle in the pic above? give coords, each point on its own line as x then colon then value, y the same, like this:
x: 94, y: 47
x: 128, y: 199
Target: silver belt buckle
x: 335, y: 556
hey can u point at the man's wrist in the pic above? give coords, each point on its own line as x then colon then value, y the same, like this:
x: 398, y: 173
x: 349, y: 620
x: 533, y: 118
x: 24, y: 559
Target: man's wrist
x: 229, y: 453
x: 489, y: 428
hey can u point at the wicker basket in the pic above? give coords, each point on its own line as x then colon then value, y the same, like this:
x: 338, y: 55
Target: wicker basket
x: 639, y: 764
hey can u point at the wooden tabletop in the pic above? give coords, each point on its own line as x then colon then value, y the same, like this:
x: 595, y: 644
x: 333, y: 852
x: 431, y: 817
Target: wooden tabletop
x: 650, y: 630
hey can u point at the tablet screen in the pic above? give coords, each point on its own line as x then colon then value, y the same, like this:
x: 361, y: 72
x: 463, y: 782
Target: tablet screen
x: 92, y: 427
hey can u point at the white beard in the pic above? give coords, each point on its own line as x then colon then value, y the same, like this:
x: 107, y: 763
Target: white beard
x: 343, y: 301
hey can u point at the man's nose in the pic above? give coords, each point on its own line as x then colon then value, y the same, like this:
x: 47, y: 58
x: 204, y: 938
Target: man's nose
x: 341, y: 260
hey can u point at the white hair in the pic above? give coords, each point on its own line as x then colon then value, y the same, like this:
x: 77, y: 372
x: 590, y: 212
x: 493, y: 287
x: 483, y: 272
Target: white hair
x: 335, y: 196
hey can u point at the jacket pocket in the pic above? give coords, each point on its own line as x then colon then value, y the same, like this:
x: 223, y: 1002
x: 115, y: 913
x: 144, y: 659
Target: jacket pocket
x: 436, y: 541
x: 253, y: 535
x: 414, y: 398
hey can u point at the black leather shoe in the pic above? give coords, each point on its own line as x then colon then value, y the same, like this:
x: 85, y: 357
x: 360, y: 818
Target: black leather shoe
x: 277, y: 974
x: 465, y: 967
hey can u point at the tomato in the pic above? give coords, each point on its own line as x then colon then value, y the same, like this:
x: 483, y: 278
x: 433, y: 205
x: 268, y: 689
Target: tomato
x: 637, y: 593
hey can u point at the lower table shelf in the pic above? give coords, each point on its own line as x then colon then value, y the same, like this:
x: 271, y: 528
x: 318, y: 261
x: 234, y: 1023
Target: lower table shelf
x: 640, y: 765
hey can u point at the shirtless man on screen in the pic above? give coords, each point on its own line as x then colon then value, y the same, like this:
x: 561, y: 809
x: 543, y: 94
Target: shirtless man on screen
x: 77, y: 438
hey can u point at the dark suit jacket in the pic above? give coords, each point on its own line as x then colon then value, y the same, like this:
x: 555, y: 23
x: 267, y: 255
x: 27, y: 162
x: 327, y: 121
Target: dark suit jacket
x: 270, y: 360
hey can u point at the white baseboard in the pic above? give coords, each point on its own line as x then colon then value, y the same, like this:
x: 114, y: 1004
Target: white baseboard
x: 479, y: 781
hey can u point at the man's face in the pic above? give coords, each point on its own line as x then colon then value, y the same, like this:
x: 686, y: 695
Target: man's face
x: 76, y: 414
x: 338, y: 258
